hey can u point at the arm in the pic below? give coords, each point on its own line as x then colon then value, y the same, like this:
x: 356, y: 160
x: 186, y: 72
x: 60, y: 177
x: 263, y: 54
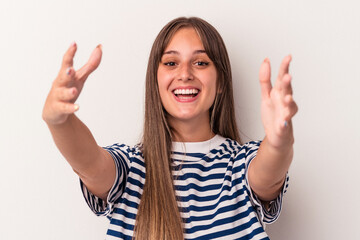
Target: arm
x: 268, y: 169
x: 93, y: 164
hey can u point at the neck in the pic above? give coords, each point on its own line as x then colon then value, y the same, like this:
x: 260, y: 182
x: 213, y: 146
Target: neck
x: 191, y: 131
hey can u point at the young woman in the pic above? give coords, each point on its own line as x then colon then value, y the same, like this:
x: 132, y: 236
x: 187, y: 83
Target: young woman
x: 189, y: 177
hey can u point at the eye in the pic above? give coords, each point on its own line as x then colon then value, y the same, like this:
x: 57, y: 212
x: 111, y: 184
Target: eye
x: 171, y: 64
x: 201, y: 63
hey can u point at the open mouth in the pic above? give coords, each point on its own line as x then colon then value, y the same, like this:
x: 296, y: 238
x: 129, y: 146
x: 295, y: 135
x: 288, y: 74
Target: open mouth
x: 186, y: 93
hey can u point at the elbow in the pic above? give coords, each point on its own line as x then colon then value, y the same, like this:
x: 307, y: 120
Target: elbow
x: 269, y: 192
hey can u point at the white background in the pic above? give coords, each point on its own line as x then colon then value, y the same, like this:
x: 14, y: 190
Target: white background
x: 40, y: 195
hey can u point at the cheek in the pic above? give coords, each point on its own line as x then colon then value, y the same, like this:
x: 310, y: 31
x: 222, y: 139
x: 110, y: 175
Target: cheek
x: 162, y: 79
x: 163, y: 84
x: 211, y: 78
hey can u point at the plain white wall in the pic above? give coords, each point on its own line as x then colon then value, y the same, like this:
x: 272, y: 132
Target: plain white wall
x: 40, y: 195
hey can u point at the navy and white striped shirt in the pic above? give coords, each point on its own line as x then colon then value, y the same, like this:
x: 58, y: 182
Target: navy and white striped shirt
x: 216, y: 201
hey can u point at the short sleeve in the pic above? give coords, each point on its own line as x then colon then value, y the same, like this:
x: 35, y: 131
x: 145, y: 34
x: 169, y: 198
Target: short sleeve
x: 121, y: 155
x: 265, y: 215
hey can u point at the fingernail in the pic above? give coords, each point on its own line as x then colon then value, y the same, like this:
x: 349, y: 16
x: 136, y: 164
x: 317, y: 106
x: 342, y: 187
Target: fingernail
x: 73, y: 44
x: 76, y: 107
x: 100, y: 46
x: 68, y: 71
x: 266, y: 60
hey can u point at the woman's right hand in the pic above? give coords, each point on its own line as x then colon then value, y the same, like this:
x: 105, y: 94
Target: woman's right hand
x: 67, y: 86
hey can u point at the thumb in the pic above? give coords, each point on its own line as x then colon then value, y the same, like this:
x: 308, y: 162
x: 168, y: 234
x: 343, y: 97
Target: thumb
x: 264, y: 77
x: 92, y: 64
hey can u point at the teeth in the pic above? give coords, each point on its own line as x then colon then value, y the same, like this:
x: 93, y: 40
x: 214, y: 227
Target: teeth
x: 186, y: 91
x: 185, y: 97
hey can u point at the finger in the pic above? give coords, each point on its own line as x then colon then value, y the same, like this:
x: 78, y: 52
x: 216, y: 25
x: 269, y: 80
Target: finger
x: 91, y: 65
x: 69, y: 56
x: 286, y: 124
x: 66, y: 94
x: 286, y: 87
x: 67, y: 108
x: 284, y: 66
x: 291, y: 108
x: 264, y: 77
x: 65, y: 76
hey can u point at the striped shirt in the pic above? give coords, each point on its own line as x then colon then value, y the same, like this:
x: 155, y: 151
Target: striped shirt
x: 215, y: 199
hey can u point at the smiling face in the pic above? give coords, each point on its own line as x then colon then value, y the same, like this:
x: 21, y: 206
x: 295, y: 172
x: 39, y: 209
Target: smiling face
x: 186, y: 79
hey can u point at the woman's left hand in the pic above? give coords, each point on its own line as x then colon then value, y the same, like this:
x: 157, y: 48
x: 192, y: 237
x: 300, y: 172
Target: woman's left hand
x: 277, y: 105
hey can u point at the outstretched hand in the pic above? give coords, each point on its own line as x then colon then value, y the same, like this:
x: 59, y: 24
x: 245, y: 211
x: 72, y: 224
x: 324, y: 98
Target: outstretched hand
x: 277, y: 104
x: 67, y: 86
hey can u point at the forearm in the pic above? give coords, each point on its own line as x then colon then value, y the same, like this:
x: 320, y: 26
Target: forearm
x: 92, y: 163
x: 268, y: 169
x: 77, y: 145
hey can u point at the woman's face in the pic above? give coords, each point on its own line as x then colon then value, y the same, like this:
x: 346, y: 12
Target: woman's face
x: 187, y: 78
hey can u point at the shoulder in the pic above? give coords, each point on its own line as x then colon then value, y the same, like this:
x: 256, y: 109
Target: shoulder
x: 240, y: 153
x: 251, y: 146
x: 235, y: 147
x: 136, y: 149
x: 124, y: 151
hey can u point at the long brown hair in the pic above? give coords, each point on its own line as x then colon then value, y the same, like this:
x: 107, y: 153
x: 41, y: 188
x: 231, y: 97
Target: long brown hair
x: 158, y: 214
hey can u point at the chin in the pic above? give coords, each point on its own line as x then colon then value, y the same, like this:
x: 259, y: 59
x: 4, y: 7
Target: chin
x: 182, y: 117
x: 188, y: 116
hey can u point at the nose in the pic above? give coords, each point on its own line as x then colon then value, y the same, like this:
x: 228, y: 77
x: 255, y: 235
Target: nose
x: 185, y: 73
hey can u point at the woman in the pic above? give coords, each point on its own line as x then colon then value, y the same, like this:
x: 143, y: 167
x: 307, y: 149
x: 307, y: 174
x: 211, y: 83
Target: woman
x: 193, y: 178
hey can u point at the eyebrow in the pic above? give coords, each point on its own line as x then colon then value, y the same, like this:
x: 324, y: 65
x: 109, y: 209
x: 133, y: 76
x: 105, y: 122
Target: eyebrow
x: 177, y: 53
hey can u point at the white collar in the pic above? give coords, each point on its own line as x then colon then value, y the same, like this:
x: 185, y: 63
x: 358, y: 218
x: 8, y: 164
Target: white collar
x: 198, y: 147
